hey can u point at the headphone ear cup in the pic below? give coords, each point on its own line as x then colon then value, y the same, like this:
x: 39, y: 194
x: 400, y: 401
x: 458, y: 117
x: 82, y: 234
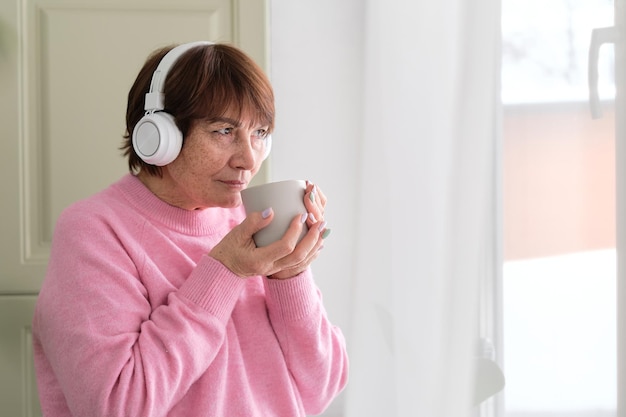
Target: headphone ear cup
x: 156, y: 139
x: 268, y: 147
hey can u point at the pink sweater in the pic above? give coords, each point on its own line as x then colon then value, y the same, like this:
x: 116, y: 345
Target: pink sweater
x: 135, y: 319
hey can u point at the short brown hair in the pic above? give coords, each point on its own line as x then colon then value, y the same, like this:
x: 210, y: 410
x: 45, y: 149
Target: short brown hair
x: 204, y: 83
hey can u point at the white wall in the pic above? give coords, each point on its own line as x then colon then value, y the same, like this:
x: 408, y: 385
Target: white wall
x: 316, y: 48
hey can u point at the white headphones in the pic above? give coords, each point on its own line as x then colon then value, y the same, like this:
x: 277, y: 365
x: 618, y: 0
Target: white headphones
x: 156, y: 138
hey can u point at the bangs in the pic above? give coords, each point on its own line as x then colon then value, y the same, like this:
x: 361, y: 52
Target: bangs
x: 255, y: 108
x: 231, y: 81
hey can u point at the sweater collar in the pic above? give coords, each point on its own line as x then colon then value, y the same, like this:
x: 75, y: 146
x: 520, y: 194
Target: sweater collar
x: 194, y: 222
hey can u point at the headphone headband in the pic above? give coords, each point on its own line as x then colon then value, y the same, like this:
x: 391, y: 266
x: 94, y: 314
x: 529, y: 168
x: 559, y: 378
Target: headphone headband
x: 155, y: 97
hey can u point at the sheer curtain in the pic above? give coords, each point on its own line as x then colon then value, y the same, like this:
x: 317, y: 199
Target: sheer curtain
x: 426, y: 219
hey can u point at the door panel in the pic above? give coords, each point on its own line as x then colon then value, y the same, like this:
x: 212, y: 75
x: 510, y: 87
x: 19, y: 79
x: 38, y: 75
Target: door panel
x: 18, y: 389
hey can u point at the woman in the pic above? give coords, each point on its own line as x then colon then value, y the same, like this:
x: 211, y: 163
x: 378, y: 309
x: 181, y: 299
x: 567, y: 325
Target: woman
x: 156, y: 301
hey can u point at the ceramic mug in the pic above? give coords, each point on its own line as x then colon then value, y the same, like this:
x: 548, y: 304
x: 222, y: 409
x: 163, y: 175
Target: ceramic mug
x: 286, y: 198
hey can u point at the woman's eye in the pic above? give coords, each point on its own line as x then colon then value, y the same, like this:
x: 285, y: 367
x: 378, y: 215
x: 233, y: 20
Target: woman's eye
x: 225, y: 131
x: 260, y: 133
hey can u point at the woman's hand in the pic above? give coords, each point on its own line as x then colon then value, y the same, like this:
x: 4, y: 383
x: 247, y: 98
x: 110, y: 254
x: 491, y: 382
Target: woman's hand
x: 284, y: 258
x: 315, y: 202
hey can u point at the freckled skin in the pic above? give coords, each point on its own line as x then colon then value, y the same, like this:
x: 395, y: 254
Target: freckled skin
x: 217, y: 161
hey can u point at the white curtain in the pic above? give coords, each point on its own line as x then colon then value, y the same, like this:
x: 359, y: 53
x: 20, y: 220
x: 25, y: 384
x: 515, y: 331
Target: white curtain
x: 426, y: 212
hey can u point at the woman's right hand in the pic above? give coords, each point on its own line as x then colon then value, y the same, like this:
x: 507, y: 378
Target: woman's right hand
x: 238, y: 252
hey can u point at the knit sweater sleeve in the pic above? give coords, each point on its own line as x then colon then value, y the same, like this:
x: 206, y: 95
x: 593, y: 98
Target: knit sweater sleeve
x: 314, y: 349
x: 113, y: 355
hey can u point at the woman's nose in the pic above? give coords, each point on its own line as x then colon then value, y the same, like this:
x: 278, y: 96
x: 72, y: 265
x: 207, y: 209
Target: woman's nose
x: 245, y: 156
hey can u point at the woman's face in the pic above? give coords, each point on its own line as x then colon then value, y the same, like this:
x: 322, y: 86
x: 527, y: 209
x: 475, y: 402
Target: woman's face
x: 218, y: 159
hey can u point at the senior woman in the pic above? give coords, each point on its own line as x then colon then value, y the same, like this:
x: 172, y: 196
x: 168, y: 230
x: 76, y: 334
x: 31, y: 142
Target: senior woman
x: 156, y: 301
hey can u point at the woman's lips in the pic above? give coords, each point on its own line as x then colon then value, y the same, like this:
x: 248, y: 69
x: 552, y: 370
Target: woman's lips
x: 235, y: 184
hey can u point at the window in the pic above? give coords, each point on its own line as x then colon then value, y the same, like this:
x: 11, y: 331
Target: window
x: 559, y: 313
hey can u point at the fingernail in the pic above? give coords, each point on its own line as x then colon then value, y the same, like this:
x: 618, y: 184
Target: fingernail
x: 312, y: 217
x: 312, y: 194
x: 326, y: 233
x: 266, y: 213
x: 321, y: 226
x: 303, y: 217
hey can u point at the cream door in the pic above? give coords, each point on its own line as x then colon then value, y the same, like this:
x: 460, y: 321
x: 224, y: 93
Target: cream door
x: 65, y: 70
